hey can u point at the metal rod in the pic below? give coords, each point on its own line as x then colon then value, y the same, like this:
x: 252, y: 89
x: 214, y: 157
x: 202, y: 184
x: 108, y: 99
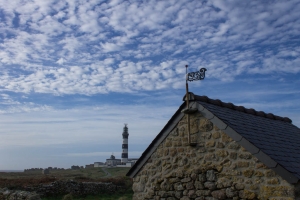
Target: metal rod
x: 187, y: 105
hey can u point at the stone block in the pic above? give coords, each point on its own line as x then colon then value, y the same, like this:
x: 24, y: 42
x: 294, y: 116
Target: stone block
x: 210, y: 185
x: 163, y: 194
x: 205, y: 125
x: 201, y: 193
x: 181, y: 132
x: 192, y: 194
x: 231, y: 192
x: 198, y: 185
x: 258, y: 174
x: 185, y: 180
x: 183, y: 122
x: 219, y: 194
x: 239, y: 186
x: 261, y: 165
x: 245, y: 156
x: 211, y: 176
x: 178, y: 187
x: 234, y: 145
x: 171, y: 198
x: 174, y: 180
x: 189, y: 186
x: 253, y: 187
x: 210, y: 156
x: 183, y: 162
x: 138, y: 187
x: 185, y: 192
x: 202, y: 150
x: 270, y: 173
x: 179, y: 173
x: 202, y: 178
x: 220, y: 167
x: 175, y: 132
x: 248, y: 173
x: 210, y: 198
x: 273, y: 181
x: 168, y: 143
x: 222, y: 153
x: 194, y: 176
x: 220, y: 145
x: 210, y: 143
x: 246, y: 194
x: 233, y: 155
x: 225, y: 138
x: 166, y: 186
x: 172, y: 152
x: 185, y: 198
x: 206, y: 136
x: 177, y: 143
x: 242, y: 164
x: 166, y: 151
x: 216, y: 135
x: 178, y: 194
x: 224, y: 182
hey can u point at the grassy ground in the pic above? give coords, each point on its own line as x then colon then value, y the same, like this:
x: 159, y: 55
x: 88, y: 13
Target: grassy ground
x: 19, y: 180
x: 124, y: 196
x: 118, y: 171
x: 93, y: 173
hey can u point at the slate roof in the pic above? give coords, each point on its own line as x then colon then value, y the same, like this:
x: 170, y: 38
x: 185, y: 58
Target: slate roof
x: 274, y: 140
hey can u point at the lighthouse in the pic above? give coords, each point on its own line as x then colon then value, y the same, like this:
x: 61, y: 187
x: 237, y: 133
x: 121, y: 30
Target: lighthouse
x: 125, y: 145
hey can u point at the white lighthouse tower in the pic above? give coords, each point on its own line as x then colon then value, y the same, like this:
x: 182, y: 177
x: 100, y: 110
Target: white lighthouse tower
x: 125, y: 145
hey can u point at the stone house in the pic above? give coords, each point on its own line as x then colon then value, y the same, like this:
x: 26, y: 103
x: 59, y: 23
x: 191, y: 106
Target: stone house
x: 216, y: 150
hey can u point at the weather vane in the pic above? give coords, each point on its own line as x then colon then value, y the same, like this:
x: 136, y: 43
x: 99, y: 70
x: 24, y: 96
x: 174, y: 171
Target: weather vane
x: 192, y: 76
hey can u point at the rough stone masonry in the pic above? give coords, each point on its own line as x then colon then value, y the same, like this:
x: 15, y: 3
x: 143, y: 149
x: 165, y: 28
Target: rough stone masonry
x: 216, y: 168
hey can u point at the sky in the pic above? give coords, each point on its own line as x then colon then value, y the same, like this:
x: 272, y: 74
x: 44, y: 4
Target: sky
x: 72, y: 72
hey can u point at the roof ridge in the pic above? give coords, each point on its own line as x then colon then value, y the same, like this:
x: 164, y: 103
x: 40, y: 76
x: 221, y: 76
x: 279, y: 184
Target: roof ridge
x: 251, y: 111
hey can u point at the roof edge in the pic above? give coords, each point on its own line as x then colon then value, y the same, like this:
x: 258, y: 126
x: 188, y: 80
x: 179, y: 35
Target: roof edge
x: 251, y: 111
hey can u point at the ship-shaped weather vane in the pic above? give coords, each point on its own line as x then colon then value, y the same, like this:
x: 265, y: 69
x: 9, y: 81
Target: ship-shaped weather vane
x: 192, y: 76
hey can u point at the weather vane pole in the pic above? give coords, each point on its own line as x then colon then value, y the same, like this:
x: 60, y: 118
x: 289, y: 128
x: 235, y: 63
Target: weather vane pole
x: 192, y: 76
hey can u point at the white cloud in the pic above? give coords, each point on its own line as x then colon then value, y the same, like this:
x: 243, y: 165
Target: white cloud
x: 60, y: 61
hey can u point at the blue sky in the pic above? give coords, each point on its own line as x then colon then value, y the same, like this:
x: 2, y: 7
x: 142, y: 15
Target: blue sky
x: 73, y: 72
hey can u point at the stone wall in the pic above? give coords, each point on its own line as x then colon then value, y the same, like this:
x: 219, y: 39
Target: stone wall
x: 216, y: 168
x: 6, y: 194
x: 60, y: 188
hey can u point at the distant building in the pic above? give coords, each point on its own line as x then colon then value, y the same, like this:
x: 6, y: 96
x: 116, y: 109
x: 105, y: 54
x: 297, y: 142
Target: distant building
x: 89, y: 166
x: 99, y: 164
x: 75, y: 167
x: 112, y: 161
x: 46, y: 171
